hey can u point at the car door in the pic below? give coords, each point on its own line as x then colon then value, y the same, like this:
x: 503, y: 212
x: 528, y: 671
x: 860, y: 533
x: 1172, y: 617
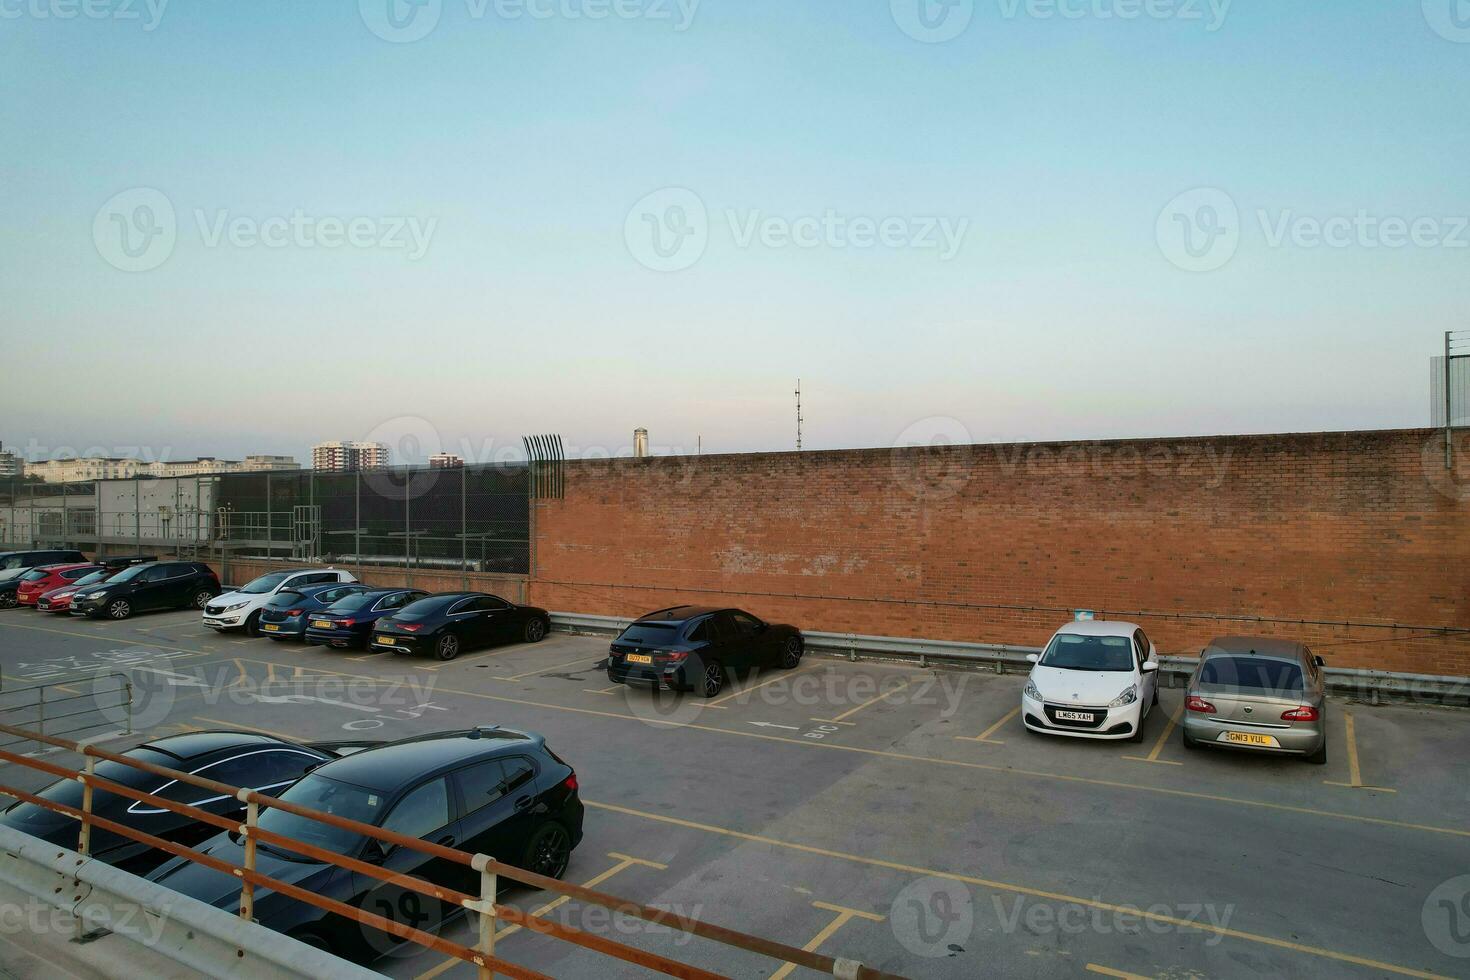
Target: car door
x: 1147, y: 679
x: 763, y: 645
x: 149, y: 589
x: 490, y: 618
x: 742, y: 644
x: 502, y: 808
x: 427, y: 812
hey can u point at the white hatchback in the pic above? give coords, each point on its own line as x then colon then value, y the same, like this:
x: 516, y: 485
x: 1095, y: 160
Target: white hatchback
x: 1095, y: 679
x: 240, y: 609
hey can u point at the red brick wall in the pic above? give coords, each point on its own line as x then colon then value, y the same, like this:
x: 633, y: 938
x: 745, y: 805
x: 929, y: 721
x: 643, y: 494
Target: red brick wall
x: 998, y: 543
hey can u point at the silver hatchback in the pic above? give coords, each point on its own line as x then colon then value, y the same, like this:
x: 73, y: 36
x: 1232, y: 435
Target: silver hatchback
x: 1259, y: 695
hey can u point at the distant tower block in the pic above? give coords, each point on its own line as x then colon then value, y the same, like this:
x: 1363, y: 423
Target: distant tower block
x: 640, y: 443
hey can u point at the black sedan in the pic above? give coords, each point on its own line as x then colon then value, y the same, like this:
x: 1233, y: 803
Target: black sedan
x: 237, y: 758
x: 349, y: 621
x: 696, y: 647
x: 452, y: 622
x: 148, y: 586
x: 488, y: 791
x: 286, y: 614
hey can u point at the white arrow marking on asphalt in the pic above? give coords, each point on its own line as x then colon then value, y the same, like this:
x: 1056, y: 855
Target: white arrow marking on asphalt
x: 769, y: 724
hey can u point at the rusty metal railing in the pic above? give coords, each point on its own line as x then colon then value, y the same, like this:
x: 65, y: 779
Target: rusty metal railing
x: 482, y: 955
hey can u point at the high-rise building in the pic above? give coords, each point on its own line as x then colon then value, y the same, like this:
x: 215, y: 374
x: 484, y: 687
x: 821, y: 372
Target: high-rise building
x: 11, y: 464
x: 349, y: 457
x: 446, y: 461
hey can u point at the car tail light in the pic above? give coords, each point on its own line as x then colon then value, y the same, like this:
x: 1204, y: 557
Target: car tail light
x: 1199, y: 704
x: 294, y: 612
x: 570, y: 782
x: 677, y: 655
x: 345, y: 622
x: 1305, y: 713
x: 410, y: 627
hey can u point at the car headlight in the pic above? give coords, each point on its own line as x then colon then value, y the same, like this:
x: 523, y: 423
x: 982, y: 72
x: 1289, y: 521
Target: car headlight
x: 238, y: 605
x: 1031, y: 690
x: 1129, y: 695
x: 91, y: 595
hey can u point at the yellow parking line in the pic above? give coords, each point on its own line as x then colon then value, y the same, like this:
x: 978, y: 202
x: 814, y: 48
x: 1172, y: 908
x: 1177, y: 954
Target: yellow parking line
x: 1163, y: 737
x: 854, y: 710
x: 1355, y: 771
x: 844, y: 915
x: 756, y: 687
x: 543, y: 670
x: 985, y: 735
x: 1110, y: 972
x: 1141, y: 910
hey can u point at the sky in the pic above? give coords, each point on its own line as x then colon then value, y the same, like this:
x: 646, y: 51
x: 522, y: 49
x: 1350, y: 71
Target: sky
x: 248, y: 227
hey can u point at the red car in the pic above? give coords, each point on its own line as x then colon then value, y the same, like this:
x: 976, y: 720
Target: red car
x: 59, y: 600
x: 38, y: 581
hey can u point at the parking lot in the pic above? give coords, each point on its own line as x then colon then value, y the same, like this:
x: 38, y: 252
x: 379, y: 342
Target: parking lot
x: 883, y: 812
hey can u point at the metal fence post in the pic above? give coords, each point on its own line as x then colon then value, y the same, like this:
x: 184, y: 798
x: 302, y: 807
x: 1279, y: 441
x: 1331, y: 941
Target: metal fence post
x: 488, y: 885
x: 357, y: 521
x: 137, y: 514
x: 464, y: 530
x: 270, y: 520
x: 247, y: 888
x: 84, y: 836
x: 407, y: 531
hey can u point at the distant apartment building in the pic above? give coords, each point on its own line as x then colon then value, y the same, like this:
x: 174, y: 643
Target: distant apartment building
x: 127, y: 468
x: 349, y: 457
x: 446, y: 461
x: 11, y: 464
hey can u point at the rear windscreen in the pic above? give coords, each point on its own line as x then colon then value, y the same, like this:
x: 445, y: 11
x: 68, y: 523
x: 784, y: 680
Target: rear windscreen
x: 1252, y: 673
x: 650, y: 633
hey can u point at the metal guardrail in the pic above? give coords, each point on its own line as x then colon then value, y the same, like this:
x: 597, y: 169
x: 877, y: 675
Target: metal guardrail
x: 1369, y: 685
x: 482, y: 955
x: 59, y: 708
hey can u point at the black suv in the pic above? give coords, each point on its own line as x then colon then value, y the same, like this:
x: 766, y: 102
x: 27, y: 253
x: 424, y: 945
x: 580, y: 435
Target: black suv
x: 14, y: 564
x: 695, y: 647
x: 151, y: 585
x: 486, y: 790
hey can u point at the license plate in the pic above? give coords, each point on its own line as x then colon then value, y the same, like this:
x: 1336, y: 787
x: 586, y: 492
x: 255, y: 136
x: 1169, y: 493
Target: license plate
x: 1087, y: 716
x: 1250, y: 738
x: 270, y: 628
x: 639, y: 658
x: 387, y: 641
x: 322, y: 624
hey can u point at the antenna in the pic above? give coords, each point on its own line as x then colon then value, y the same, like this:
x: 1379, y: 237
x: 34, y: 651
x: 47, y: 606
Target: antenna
x: 799, y: 419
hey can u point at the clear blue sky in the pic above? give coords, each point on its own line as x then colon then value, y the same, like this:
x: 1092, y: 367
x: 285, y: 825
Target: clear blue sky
x: 524, y: 143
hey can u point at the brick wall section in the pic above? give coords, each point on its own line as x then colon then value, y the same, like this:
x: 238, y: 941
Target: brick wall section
x: 1361, y: 527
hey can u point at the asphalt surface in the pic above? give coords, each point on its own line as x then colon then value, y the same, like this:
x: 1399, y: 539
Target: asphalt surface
x: 880, y: 812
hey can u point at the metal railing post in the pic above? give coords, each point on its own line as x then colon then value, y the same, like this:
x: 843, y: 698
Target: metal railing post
x: 488, y: 885
x: 247, y: 887
x: 464, y: 530
x: 128, y: 691
x: 270, y: 520
x: 84, y: 838
x: 40, y: 715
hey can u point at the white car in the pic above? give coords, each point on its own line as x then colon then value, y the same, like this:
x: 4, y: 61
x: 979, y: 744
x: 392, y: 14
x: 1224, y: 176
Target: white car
x: 241, y: 609
x: 1094, y: 680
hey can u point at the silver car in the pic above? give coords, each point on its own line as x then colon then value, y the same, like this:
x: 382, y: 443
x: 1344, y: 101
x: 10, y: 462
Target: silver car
x: 1259, y: 695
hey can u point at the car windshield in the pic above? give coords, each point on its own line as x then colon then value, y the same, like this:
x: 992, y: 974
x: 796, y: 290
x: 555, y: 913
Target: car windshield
x: 650, y: 633
x: 328, y: 796
x: 129, y: 573
x: 93, y: 578
x: 1252, y: 673
x: 264, y: 584
x: 35, y: 819
x: 1071, y: 651
x: 424, y: 608
x: 283, y: 599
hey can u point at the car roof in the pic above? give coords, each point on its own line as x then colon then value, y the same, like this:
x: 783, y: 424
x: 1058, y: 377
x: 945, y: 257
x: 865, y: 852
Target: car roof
x: 190, y: 745
x: 1255, y: 646
x: 677, y: 614
x: 1100, y: 627
x: 381, y: 590
x: 69, y: 565
x: 387, y: 767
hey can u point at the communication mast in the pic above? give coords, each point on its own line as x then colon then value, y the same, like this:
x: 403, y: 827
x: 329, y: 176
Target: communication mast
x: 799, y: 419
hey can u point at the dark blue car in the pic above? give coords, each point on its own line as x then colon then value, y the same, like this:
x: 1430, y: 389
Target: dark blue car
x: 284, y: 616
x: 349, y: 620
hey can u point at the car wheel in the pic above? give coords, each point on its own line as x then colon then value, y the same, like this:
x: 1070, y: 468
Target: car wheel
x: 447, y: 648
x: 535, y: 630
x: 1137, y: 735
x: 8, y: 601
x: 119, y: 609
x: 1319, y: 758
x: 549, y: 851
x: 201, y: 599
x: 252, y: 624
x: 1155, y: 701
x: 791, y: 652
x: 713, y: 680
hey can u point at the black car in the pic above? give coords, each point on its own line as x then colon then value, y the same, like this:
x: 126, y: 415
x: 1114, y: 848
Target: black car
x: 695, y: 647
x: 452, y: 622
x: 143, y: 587
x: 14, y: 564
x: 487, y: 791
x: 238, y: 758
x: 284, y: 616
x: 349, y: 622
x: 115, y: 563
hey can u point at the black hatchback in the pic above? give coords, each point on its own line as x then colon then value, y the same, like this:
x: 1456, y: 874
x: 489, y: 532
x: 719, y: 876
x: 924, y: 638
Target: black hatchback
x: 150, y: 586
x: 257, y: 762
x: 486, y: 790
x: 452, y: 622
x: 696, y: 647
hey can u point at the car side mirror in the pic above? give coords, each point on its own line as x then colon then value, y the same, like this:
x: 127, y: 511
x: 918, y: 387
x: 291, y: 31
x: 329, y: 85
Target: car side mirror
x: 1149, y: 666
x: 1319, y: 661
x: 1035, y: 658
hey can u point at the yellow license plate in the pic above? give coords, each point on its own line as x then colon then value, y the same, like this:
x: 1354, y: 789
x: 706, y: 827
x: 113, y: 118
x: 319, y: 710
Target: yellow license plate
x: 271, y: 628
x: 387, y: 641
x: 639, y: 658
x: 322, y: 624
x: 1250, y: 738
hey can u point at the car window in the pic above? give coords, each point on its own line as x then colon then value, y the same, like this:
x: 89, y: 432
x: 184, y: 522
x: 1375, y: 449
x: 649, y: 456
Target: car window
x: 35, y: 575
x: 481, y: 785
x: 423, y: 811
x: 1252, y: 673
x: 260, y: 770
x: 332, y: 595
x: 649, y: 633
x: 700, y: 632
x: 395, y: 601
x: 155, y: 573
x: 745, y: 623
x: 518, y: 772
x: 76, y: 573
